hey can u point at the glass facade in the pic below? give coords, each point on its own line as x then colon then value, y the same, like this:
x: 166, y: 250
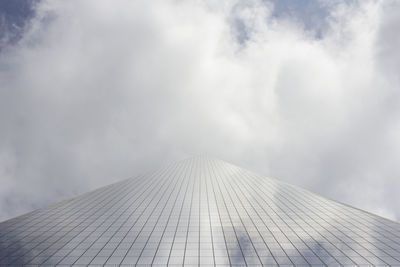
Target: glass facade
x: 199, y: 211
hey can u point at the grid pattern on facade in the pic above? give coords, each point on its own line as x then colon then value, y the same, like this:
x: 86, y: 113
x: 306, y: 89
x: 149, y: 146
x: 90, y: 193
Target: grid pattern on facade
x: 199, y: 211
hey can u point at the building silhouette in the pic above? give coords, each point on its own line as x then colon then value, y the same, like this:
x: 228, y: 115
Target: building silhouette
x: 199, y: 212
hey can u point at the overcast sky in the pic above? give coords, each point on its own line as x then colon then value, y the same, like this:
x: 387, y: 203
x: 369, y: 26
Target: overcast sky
x: 92, y: 92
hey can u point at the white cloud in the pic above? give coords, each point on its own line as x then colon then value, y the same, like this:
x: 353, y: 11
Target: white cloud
x: 99, y: 91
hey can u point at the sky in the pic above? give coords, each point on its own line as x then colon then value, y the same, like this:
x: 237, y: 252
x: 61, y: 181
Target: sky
x: 92, y: 92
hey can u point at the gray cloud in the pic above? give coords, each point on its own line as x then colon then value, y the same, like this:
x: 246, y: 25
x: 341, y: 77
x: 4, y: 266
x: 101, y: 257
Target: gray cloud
x: 14, y: 15
x: 96, y: 92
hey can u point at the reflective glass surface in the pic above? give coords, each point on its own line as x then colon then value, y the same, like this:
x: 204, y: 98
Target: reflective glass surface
x: 199, y: 211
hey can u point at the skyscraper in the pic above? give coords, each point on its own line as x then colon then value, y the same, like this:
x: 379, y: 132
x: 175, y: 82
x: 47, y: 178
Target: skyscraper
x: 199, y: 211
